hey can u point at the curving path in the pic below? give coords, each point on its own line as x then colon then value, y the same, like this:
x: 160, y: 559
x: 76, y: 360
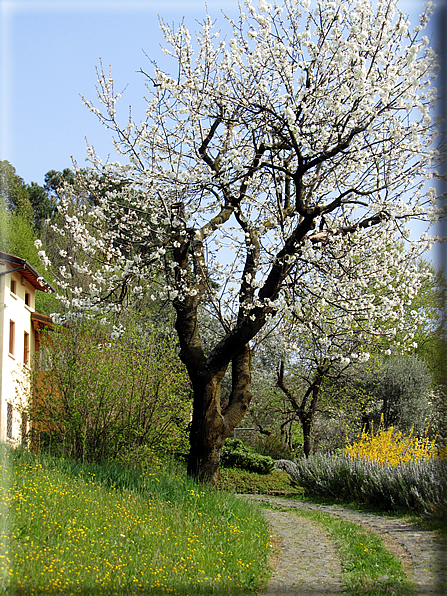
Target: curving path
x: 319, y: 571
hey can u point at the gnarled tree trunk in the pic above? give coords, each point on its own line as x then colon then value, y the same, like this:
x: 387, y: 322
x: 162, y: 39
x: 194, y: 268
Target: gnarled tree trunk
x: 211, y: 425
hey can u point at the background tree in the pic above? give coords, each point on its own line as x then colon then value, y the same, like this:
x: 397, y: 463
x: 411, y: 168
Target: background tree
x: 325, y: 346
x: 17, y: 231
x: 330, y: 357
x: 303, y: 145
x: 402, y: 390
x: 14, y: 193
x: 432, y: 340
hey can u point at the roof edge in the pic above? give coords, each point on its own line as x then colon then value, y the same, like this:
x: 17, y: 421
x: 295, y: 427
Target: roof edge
x: 34, y: 277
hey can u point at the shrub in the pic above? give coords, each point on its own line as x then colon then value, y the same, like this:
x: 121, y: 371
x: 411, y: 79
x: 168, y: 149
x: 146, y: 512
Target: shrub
x: 393, y: 448
x: 236, y: 454
x: 273, y: 446
x: 240, y: 481
x: 417, y: 486
x: 286, y: 465
x: 99, y: 400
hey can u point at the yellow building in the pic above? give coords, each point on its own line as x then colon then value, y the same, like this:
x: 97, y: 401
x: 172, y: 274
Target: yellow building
x: 20, y: 327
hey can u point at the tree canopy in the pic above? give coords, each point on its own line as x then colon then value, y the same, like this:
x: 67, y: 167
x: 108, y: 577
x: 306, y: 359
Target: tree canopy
x: 275, y: 173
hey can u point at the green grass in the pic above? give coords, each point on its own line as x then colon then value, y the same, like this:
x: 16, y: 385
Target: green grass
x: 428, y: 521
x: 115, y: 531
x: 368, y: 567
x: 242, y: 481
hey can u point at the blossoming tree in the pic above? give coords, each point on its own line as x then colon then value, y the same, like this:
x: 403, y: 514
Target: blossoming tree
x: 327, y: 342
x: 302, y: 144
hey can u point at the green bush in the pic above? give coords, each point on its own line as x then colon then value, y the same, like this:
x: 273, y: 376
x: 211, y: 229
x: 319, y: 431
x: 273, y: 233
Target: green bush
x: 273, y: 446
x: 236, y: 454
x: 98, y: 400
x: 234, y: 480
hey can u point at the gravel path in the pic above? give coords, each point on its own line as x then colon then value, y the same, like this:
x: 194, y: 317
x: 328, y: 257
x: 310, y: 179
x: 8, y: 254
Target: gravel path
x: 319, y: 571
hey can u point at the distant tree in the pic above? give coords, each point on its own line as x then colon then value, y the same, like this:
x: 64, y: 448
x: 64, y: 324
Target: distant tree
x: 432, y: 338
x: 54, y: 182
x: 17, y: 237
x: 44, y: 205
x: 14, y: 193
x: 401, y: 389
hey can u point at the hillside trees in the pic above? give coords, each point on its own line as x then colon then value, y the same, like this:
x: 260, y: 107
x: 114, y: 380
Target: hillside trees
x: 24, y: 212
x: 302, y: 145
x: 13, y: 192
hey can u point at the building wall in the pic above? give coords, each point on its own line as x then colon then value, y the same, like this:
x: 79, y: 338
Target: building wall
x: 15, y: 377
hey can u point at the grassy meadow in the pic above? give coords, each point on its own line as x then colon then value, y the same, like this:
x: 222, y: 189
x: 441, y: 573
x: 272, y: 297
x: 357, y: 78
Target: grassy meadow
x: 98, y: 532
x: 78, y: 528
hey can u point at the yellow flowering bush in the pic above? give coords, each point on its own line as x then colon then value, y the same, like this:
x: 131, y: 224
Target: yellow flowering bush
x: 386, y: 446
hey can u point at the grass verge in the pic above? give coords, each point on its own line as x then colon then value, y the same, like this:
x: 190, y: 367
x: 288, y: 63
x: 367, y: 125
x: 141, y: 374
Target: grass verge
x: 241, y: 481
x: 74, y: 530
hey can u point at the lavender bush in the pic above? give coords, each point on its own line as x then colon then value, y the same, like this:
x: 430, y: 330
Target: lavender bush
x: 418, y: 486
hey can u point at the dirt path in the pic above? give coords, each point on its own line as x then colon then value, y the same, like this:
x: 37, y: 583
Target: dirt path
x: 308, y: 562
x: 319, y: 570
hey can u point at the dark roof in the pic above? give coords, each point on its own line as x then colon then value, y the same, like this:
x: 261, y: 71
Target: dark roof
x: 27, y: 270
x: 41, y: 321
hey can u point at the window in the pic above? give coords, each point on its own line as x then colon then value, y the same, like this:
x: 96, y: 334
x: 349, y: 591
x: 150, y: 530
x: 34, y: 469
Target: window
x: 13, y: 286
x: 45, y: 360
x: 26, y: 348
x: 9, y: 421
x: 27, y: 299
x: 12, y: 333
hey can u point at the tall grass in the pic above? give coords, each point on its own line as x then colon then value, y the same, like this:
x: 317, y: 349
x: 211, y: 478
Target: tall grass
x: 5, y: 475
x: 109, y: 530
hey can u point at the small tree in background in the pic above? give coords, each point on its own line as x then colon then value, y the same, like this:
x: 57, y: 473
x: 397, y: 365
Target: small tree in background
x: 402, y: 388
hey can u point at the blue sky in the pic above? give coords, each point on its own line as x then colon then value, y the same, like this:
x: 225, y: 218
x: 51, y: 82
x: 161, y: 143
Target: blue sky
x: 49, y: 51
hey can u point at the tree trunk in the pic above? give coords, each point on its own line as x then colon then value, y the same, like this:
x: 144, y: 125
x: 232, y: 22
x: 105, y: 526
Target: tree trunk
x: 306, y: 424
x: 211, y: 425
x: 207, y: 434
x: 305, y: 416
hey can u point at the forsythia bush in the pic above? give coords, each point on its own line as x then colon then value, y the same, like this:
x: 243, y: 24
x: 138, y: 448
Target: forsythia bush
x: 393, y: 448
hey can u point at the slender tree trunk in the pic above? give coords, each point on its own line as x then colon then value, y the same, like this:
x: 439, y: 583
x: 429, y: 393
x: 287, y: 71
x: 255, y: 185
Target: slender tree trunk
x: 306, y: 415
x: 306, y: 424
